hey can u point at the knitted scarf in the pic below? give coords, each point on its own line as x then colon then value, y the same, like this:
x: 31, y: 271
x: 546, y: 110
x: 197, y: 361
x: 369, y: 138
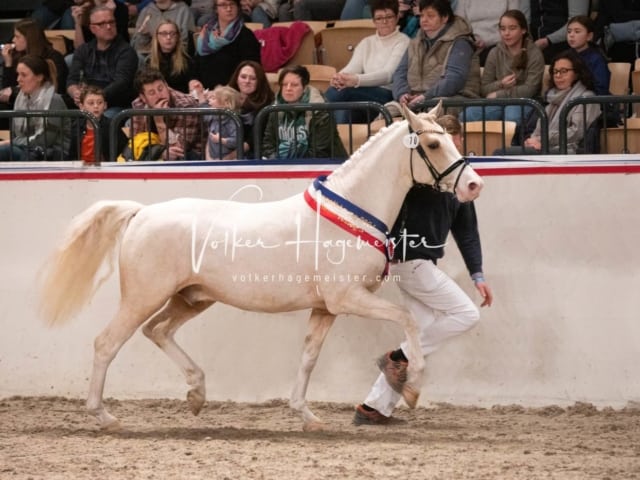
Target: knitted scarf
x: 210, y: 41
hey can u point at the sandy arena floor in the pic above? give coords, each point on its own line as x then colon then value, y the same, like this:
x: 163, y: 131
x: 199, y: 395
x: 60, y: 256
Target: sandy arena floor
x: 54, y: 438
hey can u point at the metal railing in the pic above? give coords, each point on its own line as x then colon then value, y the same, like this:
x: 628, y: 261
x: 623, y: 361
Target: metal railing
x: 37, y: 151
x: 198, y: 138
x: 372, y: 111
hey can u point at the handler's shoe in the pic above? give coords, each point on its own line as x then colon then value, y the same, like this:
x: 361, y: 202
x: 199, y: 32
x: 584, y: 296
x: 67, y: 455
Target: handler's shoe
x: 369, y: 417
x: 394, y: 371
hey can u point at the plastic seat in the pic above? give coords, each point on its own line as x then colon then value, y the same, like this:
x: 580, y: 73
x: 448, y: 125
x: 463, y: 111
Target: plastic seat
x: 354, y: 135
x: 612, y: 139
x: 619, y: 83
x: 338, y: 44
x: 58, y: 39
x: 484, y: 139
x: 308, y: 50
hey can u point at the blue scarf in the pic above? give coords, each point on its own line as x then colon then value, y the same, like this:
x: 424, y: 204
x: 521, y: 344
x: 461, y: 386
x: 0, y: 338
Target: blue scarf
x: 209, y: 41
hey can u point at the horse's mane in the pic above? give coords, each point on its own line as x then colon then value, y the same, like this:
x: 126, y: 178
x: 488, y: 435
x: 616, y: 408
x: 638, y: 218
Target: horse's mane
x: 357, y: 156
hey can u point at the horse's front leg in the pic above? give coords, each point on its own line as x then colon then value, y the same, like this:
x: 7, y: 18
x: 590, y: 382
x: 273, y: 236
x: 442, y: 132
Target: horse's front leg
x: 360, y: 301
x: 320, y: 322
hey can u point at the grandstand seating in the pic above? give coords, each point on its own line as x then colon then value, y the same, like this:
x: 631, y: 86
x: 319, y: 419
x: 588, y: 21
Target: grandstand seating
x: 479, y: 138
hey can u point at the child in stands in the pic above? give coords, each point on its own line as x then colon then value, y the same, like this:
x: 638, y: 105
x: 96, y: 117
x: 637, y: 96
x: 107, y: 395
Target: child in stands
x: 222, y: 129
x: 83, y: 138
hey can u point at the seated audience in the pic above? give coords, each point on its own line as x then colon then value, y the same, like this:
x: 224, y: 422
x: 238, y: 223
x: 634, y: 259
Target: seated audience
x: 168, y: 55
x: 304, y: 134
x: 440, y: 61
x: 618, y: 29
x: 29, y: 39
x: 367, y: 76
x: 80, y: 13
x: 83, y: 139
x: 549, y: 23
x: 255, y: 94
x: 107, y: 61
x: 202, y: 10
x: 569, y: 79
x: 483, y: 18
x: 222, y: 44
x: 311, y: 10
x: 180, y: 133
x: 36, y: 138
x: 156, y: 12
x: 260, y: 11
x: 514, y: 69
x: 223, y: 131
x: 580, y: 32
x: 54, y: 14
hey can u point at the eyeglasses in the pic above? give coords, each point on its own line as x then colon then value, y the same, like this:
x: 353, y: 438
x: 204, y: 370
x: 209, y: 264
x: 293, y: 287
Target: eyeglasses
x: 385, y: 19
x: 226, y: 5
x: 109, y: 23
x: 562, y: 71
x: 167, y: 34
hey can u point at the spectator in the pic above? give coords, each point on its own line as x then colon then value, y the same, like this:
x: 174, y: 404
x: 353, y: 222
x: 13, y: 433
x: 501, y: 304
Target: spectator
x: 580, y: 31
x: 367, y: 76
x: 29, y: 39
x: 36, y: 138
x: 549, y: 23
x: 569, y: 79
x: 222, y: 44
x: 483, y: 18
x: 311, y: 10
x: 514, y: 69
x: 154, y: 13
x: 170, y: 57
x: 260, y: 11
x: 107, y: 61
x: 80, y: 13
x: 223, y: 131
x: 83, y: 139
x: 252, y: 83
x: 203, y: 11
x: 50, y: 15
x: 181, y: 133
x: 306, y: 134
x: 620, y: 20
x: 440, y: 61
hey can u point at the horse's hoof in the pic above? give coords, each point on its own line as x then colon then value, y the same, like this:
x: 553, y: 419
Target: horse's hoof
x: 111, y: 426
x: 410, y: 396
x: 313, y: 427
x: 195, y: 400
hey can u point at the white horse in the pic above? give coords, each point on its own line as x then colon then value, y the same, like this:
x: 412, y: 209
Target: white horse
x: 179, y: 257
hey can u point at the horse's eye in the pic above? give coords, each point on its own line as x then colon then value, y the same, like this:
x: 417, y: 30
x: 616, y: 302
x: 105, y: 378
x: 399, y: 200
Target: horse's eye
x: 434, y: 145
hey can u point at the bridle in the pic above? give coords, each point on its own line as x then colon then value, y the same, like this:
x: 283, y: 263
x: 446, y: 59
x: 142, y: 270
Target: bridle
x: 437, y: 176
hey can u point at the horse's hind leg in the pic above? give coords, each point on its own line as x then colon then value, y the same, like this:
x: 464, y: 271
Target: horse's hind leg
x: 161, y: 329
x: 106, y: 346
x: 320, y: 322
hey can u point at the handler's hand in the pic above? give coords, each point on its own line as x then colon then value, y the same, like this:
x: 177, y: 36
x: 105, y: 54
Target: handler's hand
x: 487, y: 294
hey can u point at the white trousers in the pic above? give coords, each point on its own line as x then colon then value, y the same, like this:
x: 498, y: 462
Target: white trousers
x: 442, y: 310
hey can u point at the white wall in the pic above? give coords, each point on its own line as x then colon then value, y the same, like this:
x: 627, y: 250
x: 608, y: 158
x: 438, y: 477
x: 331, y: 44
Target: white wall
x: 561, y: 253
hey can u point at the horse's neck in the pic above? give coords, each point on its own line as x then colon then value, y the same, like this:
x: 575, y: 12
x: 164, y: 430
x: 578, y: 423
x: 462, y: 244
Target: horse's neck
x: 377, y: 178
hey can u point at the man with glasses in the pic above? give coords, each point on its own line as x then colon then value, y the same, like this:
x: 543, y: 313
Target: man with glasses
x: 107, y: 62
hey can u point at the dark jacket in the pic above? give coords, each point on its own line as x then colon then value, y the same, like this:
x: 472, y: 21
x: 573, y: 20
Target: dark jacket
x: 78, y: 131
x: 427, y: 216
x: 114, y: 73
x: 180, y: 81
x: 217, y: 68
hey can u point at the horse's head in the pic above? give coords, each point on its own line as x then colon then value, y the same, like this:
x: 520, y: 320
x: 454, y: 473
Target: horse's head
x: 437, y: 161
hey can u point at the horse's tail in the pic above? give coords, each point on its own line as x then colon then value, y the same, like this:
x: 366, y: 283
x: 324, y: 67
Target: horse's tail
x: 68, y: 277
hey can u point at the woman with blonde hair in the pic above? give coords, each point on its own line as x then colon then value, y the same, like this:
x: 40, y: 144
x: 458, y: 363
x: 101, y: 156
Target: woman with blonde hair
x: 169, y: 56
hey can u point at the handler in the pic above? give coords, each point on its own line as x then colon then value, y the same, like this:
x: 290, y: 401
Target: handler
x: 439, y: 305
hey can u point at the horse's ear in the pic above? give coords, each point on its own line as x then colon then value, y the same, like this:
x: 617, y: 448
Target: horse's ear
x: 408, y: 114
x: 437, y: 110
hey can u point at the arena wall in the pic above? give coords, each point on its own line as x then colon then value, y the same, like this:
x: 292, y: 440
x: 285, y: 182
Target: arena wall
x: 560, y: 241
